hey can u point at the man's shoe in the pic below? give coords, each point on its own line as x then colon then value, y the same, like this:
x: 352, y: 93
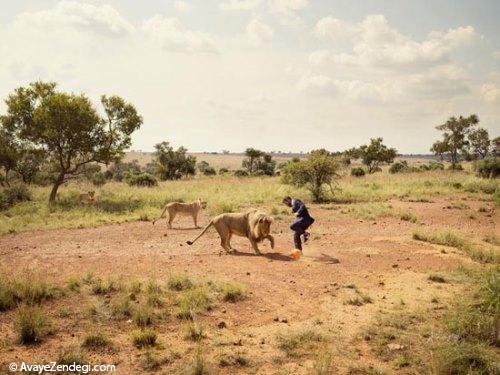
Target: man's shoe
x: 306, y: 236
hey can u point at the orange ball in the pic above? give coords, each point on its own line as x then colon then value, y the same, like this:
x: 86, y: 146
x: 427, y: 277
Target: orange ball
x: 296, y: 254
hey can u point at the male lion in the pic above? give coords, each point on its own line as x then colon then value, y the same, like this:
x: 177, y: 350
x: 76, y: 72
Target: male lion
x: 185, y: 209
x: 253, y: 225
x: 87, y: 198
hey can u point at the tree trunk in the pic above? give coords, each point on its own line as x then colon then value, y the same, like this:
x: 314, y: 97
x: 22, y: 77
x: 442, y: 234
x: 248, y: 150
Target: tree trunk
x: 55, y: 187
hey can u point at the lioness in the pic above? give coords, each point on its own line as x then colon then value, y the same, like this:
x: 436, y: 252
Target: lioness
x: 185, y: 209
x: 253, y: 225
x: 87, y: 198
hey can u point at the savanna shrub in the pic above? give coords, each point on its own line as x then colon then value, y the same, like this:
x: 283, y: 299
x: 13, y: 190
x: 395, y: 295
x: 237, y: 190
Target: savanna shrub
x: 358, y: 172
x: 209, y: 171
x: 240, y: 173
x: 223, y: 171
x: 456, y: 167
x: 434, y: 166
x: 141, y: 179
x: 98, y: 179
x: 399, y: 167
x: 12, y: 195
x: 488, y: 167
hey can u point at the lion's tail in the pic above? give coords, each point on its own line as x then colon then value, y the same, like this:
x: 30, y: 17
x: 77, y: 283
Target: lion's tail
x: 162, y: 214
x: 202, y: 233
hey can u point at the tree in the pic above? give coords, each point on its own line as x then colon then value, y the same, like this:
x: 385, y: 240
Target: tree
x: 68, y: 129
x: 266, y: 165
x: 495, y: 146
x: 8, y: 154
x: 171, y: 164
x: 440, y: 148
x: 376, y: 153
x: 319, y: 169
x: 455, y: 133
x: 250, y: 162
x: 479, y: 141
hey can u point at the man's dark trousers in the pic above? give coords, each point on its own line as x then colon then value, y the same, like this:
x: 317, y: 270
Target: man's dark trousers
x: 299, y: 226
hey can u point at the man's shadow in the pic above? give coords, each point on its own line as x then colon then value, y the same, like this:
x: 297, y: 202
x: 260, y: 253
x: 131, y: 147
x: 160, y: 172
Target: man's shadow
x: 272, y: 256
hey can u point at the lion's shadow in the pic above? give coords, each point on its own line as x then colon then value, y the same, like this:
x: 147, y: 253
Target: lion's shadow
x: 272, y: 256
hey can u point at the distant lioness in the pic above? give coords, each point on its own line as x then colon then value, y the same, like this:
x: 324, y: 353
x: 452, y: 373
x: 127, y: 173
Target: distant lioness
x: 185, y: 209
x: 87, y: 198
x: 253, y: 225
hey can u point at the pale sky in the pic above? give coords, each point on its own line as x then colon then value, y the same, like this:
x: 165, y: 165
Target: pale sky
x: 289, y: 75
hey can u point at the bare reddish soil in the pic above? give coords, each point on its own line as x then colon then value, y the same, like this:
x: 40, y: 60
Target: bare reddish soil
x: 378, y: 256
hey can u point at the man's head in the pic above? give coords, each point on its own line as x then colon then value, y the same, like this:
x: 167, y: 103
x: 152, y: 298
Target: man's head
x: 287, y: 201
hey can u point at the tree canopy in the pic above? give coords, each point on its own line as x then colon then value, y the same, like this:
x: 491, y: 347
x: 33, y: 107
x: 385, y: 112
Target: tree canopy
x: 374, y: 154
x: 173, y: 164
x: 319, y: 169
x: 67, y: 129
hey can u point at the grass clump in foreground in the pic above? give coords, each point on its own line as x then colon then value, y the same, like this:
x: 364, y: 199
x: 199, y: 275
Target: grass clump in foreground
x: 299, y: 342
x: 143, y: 337
x: 31, y: 325
x: 198, y: 365
x: 31, y: 290
x: 179, y: 282
x: 194, y: 301
x: 96, y: 341
x: 232, y: 292
x: 480, y: 253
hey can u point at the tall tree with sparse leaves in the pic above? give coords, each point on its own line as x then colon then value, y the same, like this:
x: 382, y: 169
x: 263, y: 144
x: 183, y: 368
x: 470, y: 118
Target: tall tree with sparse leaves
x: 455, y: 141
x: 68, y: 129
x: 479, y: 141
x: 375, y: 154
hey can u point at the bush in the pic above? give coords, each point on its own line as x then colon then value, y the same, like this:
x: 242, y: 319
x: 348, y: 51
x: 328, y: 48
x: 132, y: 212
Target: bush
x: 98, y: 179
x: 223, y: 171
x: 488, y: 167
x: 141, y: 179
x: 456, y: 167
x: 209, y: 171
x: 399, y: 167
x: 240, y: 173
x: 12, y: 195
x: 319, y: 170
x: 434, y: 166
x: 358, y: 172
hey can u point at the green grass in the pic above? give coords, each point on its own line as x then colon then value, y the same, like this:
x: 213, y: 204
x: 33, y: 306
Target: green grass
x: 298, y: 342
x: 479, y: 252
x: 118, y: 202
x: 96, y: 341
x: 232, y: 292
x: 29, y: 289
x: 121, y: 307
x: 194, y: 331
x: 179, y: 282
x: 31, y: 325
x: 198, y: 365
x: 74, y: 284
x: 194, y: 301
x: 100, y: 286
x: 143, y: 315
x: 143, y: 338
